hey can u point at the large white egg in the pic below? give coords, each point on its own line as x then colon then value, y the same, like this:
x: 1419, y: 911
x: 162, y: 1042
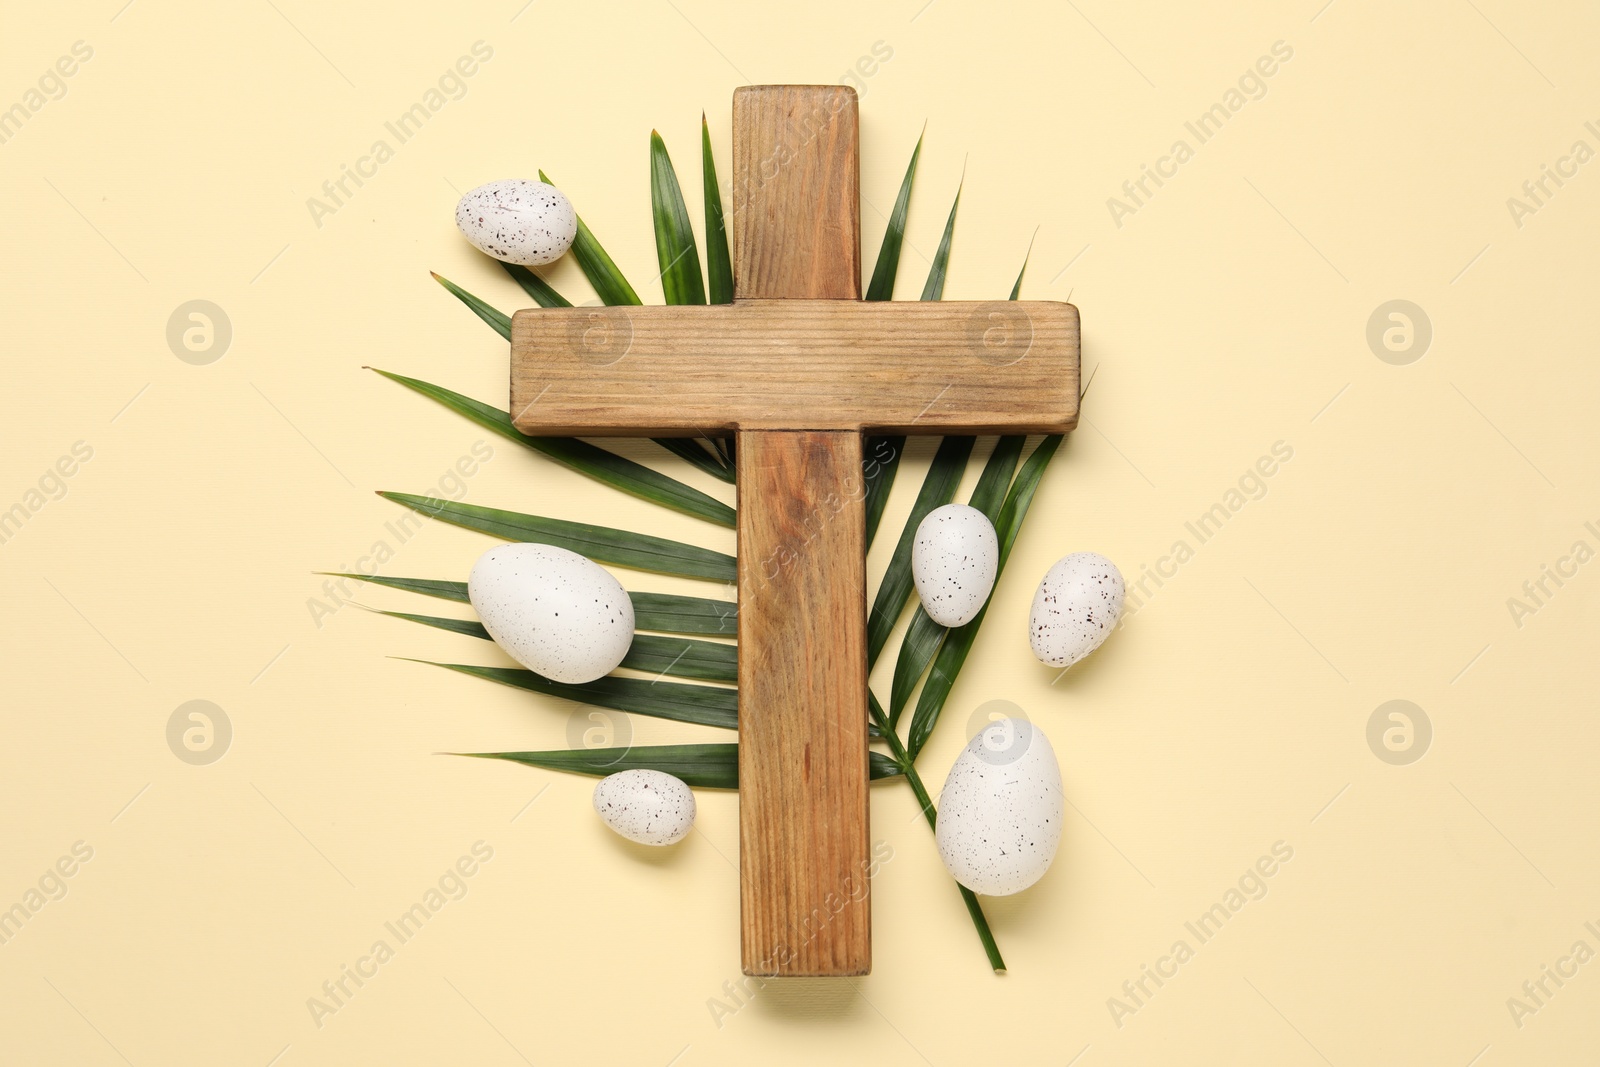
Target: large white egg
x: 1001, y: 809
x: 1075, y: 609
x: 518, y: 221
x: 954, y: 560
x: 555, y: 612
x: 650, y: 807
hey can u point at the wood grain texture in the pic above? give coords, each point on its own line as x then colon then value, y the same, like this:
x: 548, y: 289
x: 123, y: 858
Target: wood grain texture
x: 911, y: 367
x: 796, y: 192
x: 803, y: 847
x: 804, y: 903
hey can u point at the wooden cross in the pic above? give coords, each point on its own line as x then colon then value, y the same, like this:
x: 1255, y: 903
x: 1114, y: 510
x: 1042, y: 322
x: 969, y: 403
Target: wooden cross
x: 798, y: 367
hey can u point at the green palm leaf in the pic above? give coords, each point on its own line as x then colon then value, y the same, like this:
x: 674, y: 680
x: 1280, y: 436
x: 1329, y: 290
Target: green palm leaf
x: 989, y: 495
x: 690, y: 449
x: 944, y: 475
x: 499, y: 320
x: 704, y: 705
x: 676, y: 252
x: 613, y: 289
x: 917, y: 649
x: 425, y: 586
x: 885, y: 452
x: 719, y: 268
x: 883, y: 273
x: 465, y: 627
x: 705, y: 661
x: 902, y: 761
x: 609, y: 284
x: 536, y: 287
x: 954, y: 652
x: 600, y: 543
x: 663, y: 612
x: 674, y: 614
x: 581, y: 456
x: 933, y: 289
x: 714, y: 766
x: 924, y: 637
x: 1016, y: 289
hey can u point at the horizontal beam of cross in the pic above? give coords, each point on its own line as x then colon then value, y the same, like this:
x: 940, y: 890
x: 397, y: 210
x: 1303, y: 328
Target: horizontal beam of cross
x: 921, y: 368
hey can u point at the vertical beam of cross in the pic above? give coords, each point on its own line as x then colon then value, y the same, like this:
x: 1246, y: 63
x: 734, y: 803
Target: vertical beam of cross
x: 803, y: 866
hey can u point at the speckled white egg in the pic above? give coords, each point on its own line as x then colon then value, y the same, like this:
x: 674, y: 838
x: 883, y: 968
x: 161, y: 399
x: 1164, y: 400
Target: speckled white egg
x: 518, y: 221
x: 1076, y: 608
x: 650, y: 807
x: 954, y: 560
x: 1001, y: 809
x: 555, y: 612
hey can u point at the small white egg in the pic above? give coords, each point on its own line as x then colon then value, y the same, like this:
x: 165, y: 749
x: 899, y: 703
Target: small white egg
x: 518, y: 221
x: 555, y: 612
x: 1001, y: 809
x: 1075, y: 609
x: 954, y: 560
x: 650, y: 807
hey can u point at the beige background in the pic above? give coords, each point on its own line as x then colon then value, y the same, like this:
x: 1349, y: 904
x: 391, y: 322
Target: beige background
x: 1228, y: 313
